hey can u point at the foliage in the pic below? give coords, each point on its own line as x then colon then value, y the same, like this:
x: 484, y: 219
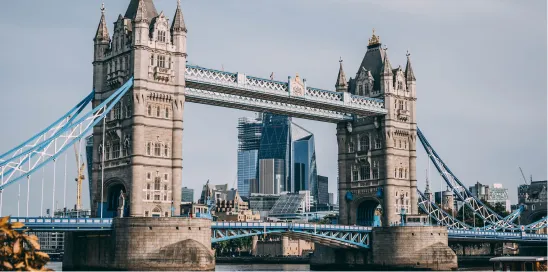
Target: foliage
x: 20, y: 251
x: 234, y: 245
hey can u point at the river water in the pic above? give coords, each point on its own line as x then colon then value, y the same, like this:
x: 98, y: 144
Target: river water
x: 57, y: 266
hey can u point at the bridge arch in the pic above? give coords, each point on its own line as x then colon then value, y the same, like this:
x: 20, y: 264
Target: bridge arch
x: 368, y: 211
x: 114, y: 188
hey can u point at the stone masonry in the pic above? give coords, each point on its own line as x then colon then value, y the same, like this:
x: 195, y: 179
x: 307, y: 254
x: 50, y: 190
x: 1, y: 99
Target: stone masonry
x: 142, y: 147
x: 143, y: 244
x: 377, y: 154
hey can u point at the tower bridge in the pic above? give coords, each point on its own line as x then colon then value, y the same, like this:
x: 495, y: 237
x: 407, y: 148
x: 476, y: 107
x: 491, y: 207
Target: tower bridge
x: 141, y: 84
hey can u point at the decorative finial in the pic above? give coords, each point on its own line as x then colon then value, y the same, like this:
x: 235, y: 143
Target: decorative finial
x: 374, y: 39
x: 407, y: 54
x: 340, y: 59
x: 103, y: 8
x: 385, y: 48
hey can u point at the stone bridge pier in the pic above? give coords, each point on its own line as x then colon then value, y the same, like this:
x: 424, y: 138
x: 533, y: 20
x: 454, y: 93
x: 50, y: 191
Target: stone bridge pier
x: 392, y: 248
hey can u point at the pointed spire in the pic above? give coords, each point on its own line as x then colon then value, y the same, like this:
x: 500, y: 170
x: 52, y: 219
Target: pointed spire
x: 409, y: 75
x: 427, y: 189
x: 386, y: 67
x: 178, y: 20
x: 141, y: 12
x: 102, y: 30
x: 342, y: 84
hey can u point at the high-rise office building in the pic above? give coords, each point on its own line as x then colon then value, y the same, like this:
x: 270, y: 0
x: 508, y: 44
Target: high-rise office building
x: 331, y: 200
x: 274, y: 154
x: 303, y: 155
x: 323, y: 194
x: 249, y: 139
x: 187, y: 195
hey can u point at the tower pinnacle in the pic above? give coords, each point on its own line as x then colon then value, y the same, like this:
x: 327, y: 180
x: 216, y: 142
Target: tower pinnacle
x: 409, y: 75
x: 102, y: 30
x: 178, y: 20
x: 374, y: 40
x: 341, y: 85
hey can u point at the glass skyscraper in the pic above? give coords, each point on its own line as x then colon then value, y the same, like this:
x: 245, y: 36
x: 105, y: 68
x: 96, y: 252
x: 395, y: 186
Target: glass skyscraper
x: 249, y: 138
x: 283, y: 154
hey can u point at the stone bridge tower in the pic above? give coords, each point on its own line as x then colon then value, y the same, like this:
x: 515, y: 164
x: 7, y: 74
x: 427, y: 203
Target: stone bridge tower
x: 377, y: 154
x: 143, y: 135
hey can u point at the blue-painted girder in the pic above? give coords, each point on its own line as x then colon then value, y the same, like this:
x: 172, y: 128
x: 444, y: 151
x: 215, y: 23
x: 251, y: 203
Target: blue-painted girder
x: 336, y: 235
x: 19, y: 167
x: 333, y: 235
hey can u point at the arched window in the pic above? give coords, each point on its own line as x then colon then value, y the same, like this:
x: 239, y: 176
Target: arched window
x: 365, y: 171
x: 166, y: 152
x: 161, y: 61
x: 151, y: 59
x: 158, y: 111
x: 148, y: 196
x: 401, y: 173
x: 146, y: 213
x: 405, y: 144
x: 395, y: 143
x: 148, y: 186
x: 165, y: 212
x: 351, y: 147
x: 149, y: 110
x: 360, y: 89
x: 157, y: 149
x: 399, y: 143
x: 364, y: 143
x: 116, y: 150
x: 165, y: 187
x: 149, y: 147
x: 395, y: 173
x: 167, y: 112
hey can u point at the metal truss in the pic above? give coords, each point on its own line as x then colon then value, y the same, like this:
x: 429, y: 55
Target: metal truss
x: 262, y: 105
x: 35, y: 141
x: 64, y: 224
x: 46, y: 148
x: 463, y: 194
x: 439, y: 215
x: 485, y: 235
x: 275, y: 91
x: 331, y: 235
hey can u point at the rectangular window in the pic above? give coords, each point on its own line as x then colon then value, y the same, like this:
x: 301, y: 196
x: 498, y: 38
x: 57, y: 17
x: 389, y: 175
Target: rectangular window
x: 115, y: 150
x: 355, y: 175
x: 117, y: 111
x: 156, y: 197
x: 377, y: 143
x: 152, y: 60
x: 165, y: 176
x: 351, y: 147
x: 161, y: 61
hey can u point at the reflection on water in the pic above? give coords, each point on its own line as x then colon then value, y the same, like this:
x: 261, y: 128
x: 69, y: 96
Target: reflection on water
x: 57, y: 266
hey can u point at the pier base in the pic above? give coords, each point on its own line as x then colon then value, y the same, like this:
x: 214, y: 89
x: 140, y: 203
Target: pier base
x: 392, y: 248
x: 148, y: 243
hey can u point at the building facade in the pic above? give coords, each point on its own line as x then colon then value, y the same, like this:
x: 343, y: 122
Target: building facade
x: 323, y: 187
x: 140, y: 150
x: 187, y: 195
x: 249, y: 139
x: 377, y: 154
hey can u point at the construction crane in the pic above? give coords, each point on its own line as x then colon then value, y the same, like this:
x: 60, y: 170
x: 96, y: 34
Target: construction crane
x: 79, y: 178
x: 524, y: 179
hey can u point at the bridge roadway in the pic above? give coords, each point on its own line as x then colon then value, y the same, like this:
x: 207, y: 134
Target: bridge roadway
x: 327, y: 234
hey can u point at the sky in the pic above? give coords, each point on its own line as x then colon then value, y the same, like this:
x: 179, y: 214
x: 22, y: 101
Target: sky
x: 480, y: 69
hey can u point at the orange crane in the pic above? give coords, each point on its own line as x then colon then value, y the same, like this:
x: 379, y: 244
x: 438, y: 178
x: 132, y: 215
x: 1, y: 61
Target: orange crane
x: 79, y: 179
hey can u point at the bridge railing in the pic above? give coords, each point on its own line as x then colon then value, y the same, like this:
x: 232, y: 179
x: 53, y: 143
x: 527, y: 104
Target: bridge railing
x: 284, y: 225
x: 55, y: 220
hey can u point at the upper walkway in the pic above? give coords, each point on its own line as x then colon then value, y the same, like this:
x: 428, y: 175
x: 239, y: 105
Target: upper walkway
x: 293, y: 98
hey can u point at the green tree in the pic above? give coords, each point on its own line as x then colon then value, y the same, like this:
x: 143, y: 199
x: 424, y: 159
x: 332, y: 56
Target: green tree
x: 469, y: 215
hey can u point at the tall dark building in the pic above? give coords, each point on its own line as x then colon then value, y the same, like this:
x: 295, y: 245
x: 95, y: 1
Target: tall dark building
x: 274, y: 154
x: 323, y: 194
x: 187, y: 195
x: 249, y: 139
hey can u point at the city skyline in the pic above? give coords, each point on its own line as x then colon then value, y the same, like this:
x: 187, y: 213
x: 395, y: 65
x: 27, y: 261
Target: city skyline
x: 480, y: 82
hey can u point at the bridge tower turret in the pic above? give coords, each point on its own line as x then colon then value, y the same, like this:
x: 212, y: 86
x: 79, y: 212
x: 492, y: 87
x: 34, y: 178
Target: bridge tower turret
x: 143, y: 136
x: 377, y: 154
